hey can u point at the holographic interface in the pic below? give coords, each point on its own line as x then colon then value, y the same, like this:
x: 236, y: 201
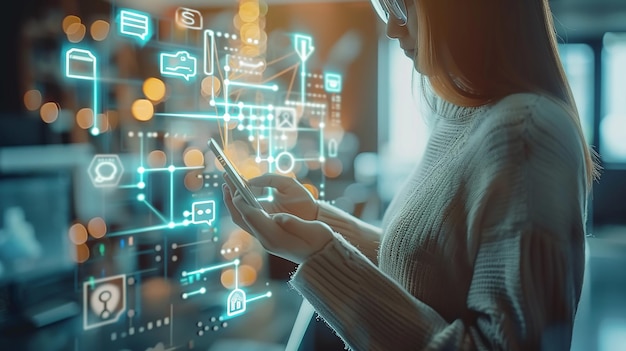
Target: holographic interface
x: 160, y: 238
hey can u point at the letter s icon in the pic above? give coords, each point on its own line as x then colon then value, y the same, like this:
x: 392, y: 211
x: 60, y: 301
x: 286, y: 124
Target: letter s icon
x: 189, y: 18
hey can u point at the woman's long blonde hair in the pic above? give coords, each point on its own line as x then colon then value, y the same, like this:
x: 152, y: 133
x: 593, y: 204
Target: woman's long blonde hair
x: 477, y: 52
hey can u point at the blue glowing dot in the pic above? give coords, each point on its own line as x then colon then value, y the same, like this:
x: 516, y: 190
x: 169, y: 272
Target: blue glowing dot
x: 141, y: 185
x: 171, y: 168
x: 171, y: 225
x: 141, y: 197
x: 141, y: 170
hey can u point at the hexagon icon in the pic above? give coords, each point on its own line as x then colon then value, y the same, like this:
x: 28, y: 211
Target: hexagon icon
x: 105, y: 170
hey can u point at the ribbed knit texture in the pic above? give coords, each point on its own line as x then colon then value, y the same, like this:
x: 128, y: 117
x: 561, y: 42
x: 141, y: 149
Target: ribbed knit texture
x: 483, y: 248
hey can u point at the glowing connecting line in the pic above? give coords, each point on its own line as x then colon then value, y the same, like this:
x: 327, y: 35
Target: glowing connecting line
x: 236, y: 301
x: 304, y: 48
x: 82, y: 64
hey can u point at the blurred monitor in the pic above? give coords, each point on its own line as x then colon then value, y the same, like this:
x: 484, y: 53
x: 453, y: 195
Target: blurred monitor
x: 34, y: 217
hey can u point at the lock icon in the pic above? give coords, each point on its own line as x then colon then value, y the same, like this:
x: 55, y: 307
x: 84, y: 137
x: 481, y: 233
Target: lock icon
x: 236, y: 302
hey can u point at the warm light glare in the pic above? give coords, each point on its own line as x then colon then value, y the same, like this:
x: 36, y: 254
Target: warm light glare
x: 193, y: 180
x: 76, y: 32
x: 142, y: 110
x: 154, y: 89
x: 247, y: 275
x: 49, y: 112
x: 32, y: 100
x: 228, y: 278
x: 81, y: 253
x: 97, y: 228
x: 157, y: 159
x: 84, y: 118
x: 99, y: 30
x: 78, y: 234
x: 194, y: 158
x: 211, y: 86
x: 69, y: 20
x: 249, y: 11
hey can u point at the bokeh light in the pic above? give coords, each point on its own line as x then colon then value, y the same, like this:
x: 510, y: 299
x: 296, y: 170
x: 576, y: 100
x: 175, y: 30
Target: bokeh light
x: 81, y: 254
x: 193, y: 158
x: 49, y: 112
x: 99, y: 30
x: 78, y: 234
x: 157, y: 159
x: 76, y: 32
x: 97, y: 227
x: 69, y: 20
x: 84, y: 118
x: 193, y: 180
x: 154, y: 89
x: 142, y: 110
x: 32, y: 100
x: 211, y: 86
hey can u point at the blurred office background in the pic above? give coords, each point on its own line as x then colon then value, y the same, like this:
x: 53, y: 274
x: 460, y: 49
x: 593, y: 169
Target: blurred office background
x: 42, y: 160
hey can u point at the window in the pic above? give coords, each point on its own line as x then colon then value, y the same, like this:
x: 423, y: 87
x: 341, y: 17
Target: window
x: 578, y: 62
x: 613, y: 122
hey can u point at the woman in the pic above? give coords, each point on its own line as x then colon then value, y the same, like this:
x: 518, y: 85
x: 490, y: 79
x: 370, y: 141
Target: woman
x: 484, y: 246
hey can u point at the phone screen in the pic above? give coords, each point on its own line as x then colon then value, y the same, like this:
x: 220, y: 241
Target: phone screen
x: 240, y: 183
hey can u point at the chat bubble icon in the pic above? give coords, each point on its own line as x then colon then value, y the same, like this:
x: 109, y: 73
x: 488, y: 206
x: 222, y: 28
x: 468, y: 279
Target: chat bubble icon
x: 135, y: 24
x: 203, y: 212
x: 180, y: 64
x: 105, y: 170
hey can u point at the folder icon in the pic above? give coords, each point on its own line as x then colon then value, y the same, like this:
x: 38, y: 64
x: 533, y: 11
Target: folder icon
x: 80, y: 64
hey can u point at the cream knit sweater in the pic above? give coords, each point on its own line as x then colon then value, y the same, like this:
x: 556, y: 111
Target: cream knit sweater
x: 483, y: 248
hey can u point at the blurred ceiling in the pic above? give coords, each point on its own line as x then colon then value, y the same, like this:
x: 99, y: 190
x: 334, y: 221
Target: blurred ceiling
x: 575, y: 19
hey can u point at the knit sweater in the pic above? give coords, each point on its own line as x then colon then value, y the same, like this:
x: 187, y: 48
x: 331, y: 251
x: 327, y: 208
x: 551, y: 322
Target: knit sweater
x: 482, y: 249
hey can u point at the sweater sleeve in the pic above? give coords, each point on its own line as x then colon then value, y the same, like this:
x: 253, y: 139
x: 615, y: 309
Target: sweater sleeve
x: 364, y: 236
x: 525, y: 234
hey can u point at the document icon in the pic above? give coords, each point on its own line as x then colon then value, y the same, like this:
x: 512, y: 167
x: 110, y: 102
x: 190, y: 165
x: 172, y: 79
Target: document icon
x: 80, y: 64
x: 286, y: 119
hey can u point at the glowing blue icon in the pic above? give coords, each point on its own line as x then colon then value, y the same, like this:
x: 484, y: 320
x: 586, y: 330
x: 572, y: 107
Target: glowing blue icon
x: 180, y: 64
x: 80, y: 64
x: 135, y: 24
x: 189, y: 18
x: 203, y: 212
x: 104, y: 301
x: 236, y: 302
x: 332, y: 82
x: 332, y: 148
x: 304, y: 46
x: 209, y: 52
x: 286, y: 119
x: 105, y: 170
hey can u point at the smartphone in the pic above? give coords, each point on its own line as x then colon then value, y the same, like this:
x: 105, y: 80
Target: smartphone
x: 237, y: 179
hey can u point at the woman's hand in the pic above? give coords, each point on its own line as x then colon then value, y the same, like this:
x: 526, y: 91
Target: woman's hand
x: 289, y: 196
x: 281, y: 234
